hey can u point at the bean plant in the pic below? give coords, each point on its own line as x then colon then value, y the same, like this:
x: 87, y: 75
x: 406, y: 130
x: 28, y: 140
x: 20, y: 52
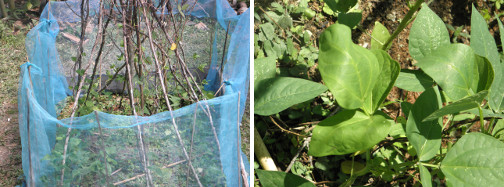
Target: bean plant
x: 453, y: 133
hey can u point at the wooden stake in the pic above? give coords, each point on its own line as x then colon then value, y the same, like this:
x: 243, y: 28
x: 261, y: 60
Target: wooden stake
x: 32, y: 177
x: 102, y: 148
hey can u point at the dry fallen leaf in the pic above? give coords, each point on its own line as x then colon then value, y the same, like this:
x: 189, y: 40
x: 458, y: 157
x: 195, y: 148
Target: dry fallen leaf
x: 201, y: 26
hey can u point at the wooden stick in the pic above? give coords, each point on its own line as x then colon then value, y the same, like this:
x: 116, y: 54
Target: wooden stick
x: 192, y: 141
x: 238, y: 138
x: 224, y: 55
x: 305, y: 143
x: 81, y: 83
x: 32, y: 178
x: 165, y: 93
x: 103, y: 148
x: 115, y: 171
x: 127, y: 180
x: 132, y: 99
x: 174, y: 164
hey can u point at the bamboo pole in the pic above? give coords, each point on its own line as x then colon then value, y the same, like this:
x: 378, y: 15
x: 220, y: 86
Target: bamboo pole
x: 262, y: 154
x: 165, y: 93
x: 103, y: 148
x: 32, y: 177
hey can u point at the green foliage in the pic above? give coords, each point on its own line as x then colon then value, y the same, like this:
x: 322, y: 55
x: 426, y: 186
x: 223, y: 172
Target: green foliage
x: 425, y: 136
x: 281, y: 179
x: 484, y: 45
x: 348, y: 131
x: 423, y: 41
x: 472, y: 161
x: 435, y: 137
x: 349, y: 70
x: 379, y: 36
x: 282, y: 92
x: 414, y: 80
x: 464, y: 104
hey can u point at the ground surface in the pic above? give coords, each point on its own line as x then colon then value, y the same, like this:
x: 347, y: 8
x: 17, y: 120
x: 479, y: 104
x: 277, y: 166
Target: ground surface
x: 12, y: 55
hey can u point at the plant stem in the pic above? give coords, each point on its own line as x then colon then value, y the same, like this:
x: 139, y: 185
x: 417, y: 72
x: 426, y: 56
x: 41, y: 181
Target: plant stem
x: 430, y: 165
x: 482, y: 121
x: 403, y: 23
x: 491, y: 126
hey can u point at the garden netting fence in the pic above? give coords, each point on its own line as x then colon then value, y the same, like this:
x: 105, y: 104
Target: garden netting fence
x: 195, y: 145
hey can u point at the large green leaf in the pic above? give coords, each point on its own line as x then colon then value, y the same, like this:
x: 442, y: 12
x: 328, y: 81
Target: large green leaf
x: 349, y: 70
x: 268, y: 30
x: 483, y: 44
x: 460, y: 105
x: 486, y: 113
x: 350, y: 19
x: 425, y: 136
x: 413, y: 80
x: 281, y: 179
x: 485, y: 74
x: 380, y: 35
x: 427, y: 33
x: 277, y: 94
x: 475, y: 160
x: 453, y: 68
x: 264, y: 68
x: 498, y: 130
x: 388, y: 75
x: 341, y: 5
x: 348, y: 131
x: 498, y: 96
x: 425, y: 176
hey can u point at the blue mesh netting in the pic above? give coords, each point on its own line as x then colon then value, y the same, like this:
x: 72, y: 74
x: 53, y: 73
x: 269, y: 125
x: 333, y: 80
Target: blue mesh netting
x: 123, y: 150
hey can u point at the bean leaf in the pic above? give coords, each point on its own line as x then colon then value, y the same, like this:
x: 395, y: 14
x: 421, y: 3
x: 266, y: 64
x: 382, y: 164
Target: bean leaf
x: 453, y: 68
x: 281, y: 179
x: 349, y: 70
x: 483, y: 44
x: 427, y: 33
x: 388, y: 75
x: 475, y: 160
x: 425, y: 136
x: 413, y: 80
x: 277, y: 94
x: 264, y: 68
x: 348, y: 131
x: 379, y: 36
x: 457, y: 106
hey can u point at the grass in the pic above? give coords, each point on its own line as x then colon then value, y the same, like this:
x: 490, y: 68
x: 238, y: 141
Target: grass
x: 12, y: 55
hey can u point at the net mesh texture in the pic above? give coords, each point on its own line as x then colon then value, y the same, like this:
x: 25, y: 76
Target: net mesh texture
x: 108, y: 149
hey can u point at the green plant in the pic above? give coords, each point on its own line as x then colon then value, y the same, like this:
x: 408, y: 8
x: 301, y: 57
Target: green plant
x: 498, y: 3
x: 461, y: 86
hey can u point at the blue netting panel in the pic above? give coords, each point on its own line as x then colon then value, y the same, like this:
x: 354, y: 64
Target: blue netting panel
x: 127, y: 150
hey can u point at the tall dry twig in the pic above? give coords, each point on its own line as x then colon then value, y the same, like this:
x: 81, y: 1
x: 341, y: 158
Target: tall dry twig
x: 82, y: 79
x: 126, y: 33
x: 107, y: 176
x: 151, y: 44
